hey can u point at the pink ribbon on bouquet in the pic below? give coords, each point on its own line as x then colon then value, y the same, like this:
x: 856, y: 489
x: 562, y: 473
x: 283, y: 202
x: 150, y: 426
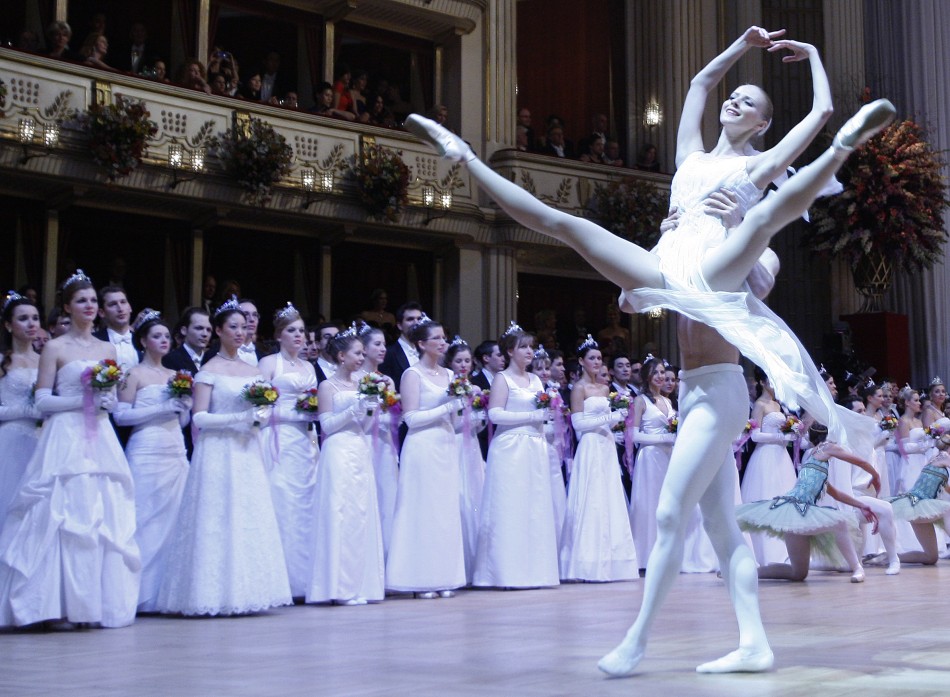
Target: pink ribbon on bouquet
x: 89, y: 411
x: 467, y: 426
x: 739, y: 445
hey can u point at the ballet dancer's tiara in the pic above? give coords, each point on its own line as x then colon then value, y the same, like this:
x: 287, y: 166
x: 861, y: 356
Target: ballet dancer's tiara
x: 936, y: 381
x: 512, y: 328
x: 11, y: 296
x: 228, y: 306
x: 147, y: 315
x: 540, y: 354
x: 350, y: 331
x: 588, y: 343
x: 75, y: 278
x: 289, y: 311
x: 458, y: 341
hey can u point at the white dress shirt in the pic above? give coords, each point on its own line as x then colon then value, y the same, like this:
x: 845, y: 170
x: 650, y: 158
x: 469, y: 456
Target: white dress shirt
x: 125, y: 354
x: 248, y: 354
x: 412, y: 353
x: 328, y: 368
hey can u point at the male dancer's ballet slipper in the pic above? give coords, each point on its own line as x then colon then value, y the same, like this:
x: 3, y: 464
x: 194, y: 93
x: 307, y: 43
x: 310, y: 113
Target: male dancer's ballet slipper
x: 869, y: 119
x: 446, y: 143
x: 740, y: 661
x: 620, y: 664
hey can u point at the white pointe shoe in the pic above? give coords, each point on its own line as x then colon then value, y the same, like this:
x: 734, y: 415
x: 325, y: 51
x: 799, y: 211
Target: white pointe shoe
x: 740, y: 661
x: 619, y: 663
x: 869, y: 119
x: 858, y: 575
x: 893, y: 568
x: 446, y: 143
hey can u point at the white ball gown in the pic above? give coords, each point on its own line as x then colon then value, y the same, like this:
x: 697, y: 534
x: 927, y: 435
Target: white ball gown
x: 517, y: 542
x: 226, y: 557
x: 156, y: 454
x: 426, y: 553
x: 348, y: 562
x: 770, y: 472
x: 597, y: 543
x: 471, y: 484
x: 291, y: 454
x: 386, y: 469
x: 558, y: 490
x: 916, y: 448
x: 649, y: 471
x: 19, y: 431
x: 68, y: 550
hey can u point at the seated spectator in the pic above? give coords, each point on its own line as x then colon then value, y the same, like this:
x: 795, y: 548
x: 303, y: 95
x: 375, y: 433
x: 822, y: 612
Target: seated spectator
x: 399, y: 107
x: 524, y: 121
x: 556, y: 145
x: 521, y: 139
x: 612, y: 154
x: 599, y: 124
x: 647, y: 160
x: 379, y: 114
x: 219, y: 86
x: 342, y: 99
x: 440, y: 114
x: 290, y: 101
x: 28, y: 41
x: 595, y: 152
x: 58, y: 35
x: 357, y: 87
x: 251, y: 88
x: 133, y: 55
x: 94, y: 51
x: 324, y: 96
x: 156, y: 69
x: 223, y: 62
x: 192, y: 75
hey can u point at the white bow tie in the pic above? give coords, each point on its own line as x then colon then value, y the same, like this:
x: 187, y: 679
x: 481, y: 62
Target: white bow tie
x: 247, y: 349
x: 126, y: 339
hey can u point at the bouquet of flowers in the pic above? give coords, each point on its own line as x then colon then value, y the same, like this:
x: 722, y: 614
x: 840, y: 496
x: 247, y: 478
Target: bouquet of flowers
x: 260, y: 393
x: 750, y: 425
x: 792, y: 425
x: 888, y: 422
x: 618, y: 401
x: 934, y: 431
x: 104, y: 375
x: 544, y: 399
x: 307, y: 403
x: 256, y: 155
x: 460, y: 386
x: 480, y: 400
x: 673, y: 423
x: 118, y: 134
x: 391, y: 400
x: 373, y: 384
x: 181, y: 384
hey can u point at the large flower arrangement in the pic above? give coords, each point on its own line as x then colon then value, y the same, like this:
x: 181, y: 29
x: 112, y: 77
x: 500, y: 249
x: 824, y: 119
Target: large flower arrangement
x: 382, y: 179
x: 892, y: 204
x: 631, y: 208
x: 118, y: 134
x: 256, y: 155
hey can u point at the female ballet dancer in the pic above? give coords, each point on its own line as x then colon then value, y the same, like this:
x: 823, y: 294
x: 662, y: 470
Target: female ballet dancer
x: 697, y: 271
x: 797, y: 518
x: 155, y: 451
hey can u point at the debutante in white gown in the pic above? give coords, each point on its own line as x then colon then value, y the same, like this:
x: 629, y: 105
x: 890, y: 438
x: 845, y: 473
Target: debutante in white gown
x: 471, y: 484
x: 649, y: 471
x: 68, y: 550
x: 156, y: 454
x: 597, y: 543
x: 19, y: 431
x: 427, y: 550
x: 770, y: 473
x: 517, y: 542
x: 290, y: 453
x: 226, y: 557
x: 348, y: 562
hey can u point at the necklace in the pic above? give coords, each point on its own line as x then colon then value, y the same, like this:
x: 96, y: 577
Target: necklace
x: 226, y: 357
x: 156, y: 368
x: 292, y: 362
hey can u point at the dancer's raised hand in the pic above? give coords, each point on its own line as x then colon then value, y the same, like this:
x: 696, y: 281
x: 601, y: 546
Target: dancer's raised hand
x: 758, y: 37
x: 799, y: 51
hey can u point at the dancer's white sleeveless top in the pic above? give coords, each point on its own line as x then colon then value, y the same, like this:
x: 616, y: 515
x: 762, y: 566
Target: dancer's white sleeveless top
x: 740, y: 318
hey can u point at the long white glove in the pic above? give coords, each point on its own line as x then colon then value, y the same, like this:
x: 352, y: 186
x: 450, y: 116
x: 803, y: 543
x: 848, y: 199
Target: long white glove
x: 476, y: 420
x: 883, y: 438
x: 588, y: 422
x: 17, y: 413
x: 920, y: 445
x: 503, y: 417
x: 641, y: 438
x: 50, y: 403
x: 333, y: 421
x: 421, y: 418
x: 760, y: 436
x: 129, y: 415
x: 284, y: 413
x: 234, y: 421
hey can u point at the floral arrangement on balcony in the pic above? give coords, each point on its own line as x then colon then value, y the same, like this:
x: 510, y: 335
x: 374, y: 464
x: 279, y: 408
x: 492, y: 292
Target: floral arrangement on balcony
x: 892, y: 204
x: 256, y: 155
x: 382, y: 179
x: 118, y: 134
x: 3, y: 98
x: 631, y: 208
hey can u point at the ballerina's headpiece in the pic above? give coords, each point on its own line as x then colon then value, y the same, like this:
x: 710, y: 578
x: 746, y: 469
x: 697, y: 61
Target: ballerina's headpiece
x: 287, y: 312
x: 458, y: 341
x: 228, y: 306
x: 588, y: 344
x: 75, y: 278
x: 12, y: 295
x: 145, y: 316
x: 512, y: 329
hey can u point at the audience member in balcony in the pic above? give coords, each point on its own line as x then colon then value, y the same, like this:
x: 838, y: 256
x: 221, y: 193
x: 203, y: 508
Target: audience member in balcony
x: 379, y: 113
x: 599, y: 124
x: 522, y: 143
x: 251, y: 88
x: 647, y: 159
x: 324, y: 97
x: 219, y: 86
x: 612, y: 154
x: 272, y: 84
x: 94, y: 51
x: 342, y: 99
x: 157, y: 69
x: 595, y: 152
x: 524, y: 120
x: 440, y: 114
x: 357, y: 87
x: 192, y: 75
x: 97, y: 25
x: 28, y: 41
x: 221, y: 61
x: 397, y: 105
x: 290, y: 101
x: 556, y: 145
x: 58, y: 35
x: 377, y: 315
x: 133, y: 55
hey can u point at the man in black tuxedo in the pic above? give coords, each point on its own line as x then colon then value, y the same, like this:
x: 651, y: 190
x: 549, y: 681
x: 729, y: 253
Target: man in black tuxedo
x: 194, y: 332
x: 322, y: 363
x: 556, y: 145
x: 402, y: 354
x: 621, y: 373
x: 251, y: 352
x: 135, y: 54
x: 489, y: 361
x: 115, y: 314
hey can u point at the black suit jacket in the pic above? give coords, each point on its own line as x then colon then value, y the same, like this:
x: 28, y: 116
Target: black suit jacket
x: 480, y: 380
x: 180, y: 359
x: 395, y: 363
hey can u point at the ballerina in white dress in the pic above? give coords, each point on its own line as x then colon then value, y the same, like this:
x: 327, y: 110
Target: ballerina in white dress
x: 348, y: 564
x: 226, y: 557
x: 19, y: 417
x: 68, y: 550
x: 290, y: 447
x: 156, y: 450
x: 597, y: 543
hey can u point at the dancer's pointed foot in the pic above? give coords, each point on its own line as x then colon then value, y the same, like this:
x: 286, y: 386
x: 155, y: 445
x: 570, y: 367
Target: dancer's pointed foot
x: 740, y: 661
x: 858, y: 575
x: 870, y: 119
x: 621, y: 662
x: 893, y: 568
x: 446, y: 143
